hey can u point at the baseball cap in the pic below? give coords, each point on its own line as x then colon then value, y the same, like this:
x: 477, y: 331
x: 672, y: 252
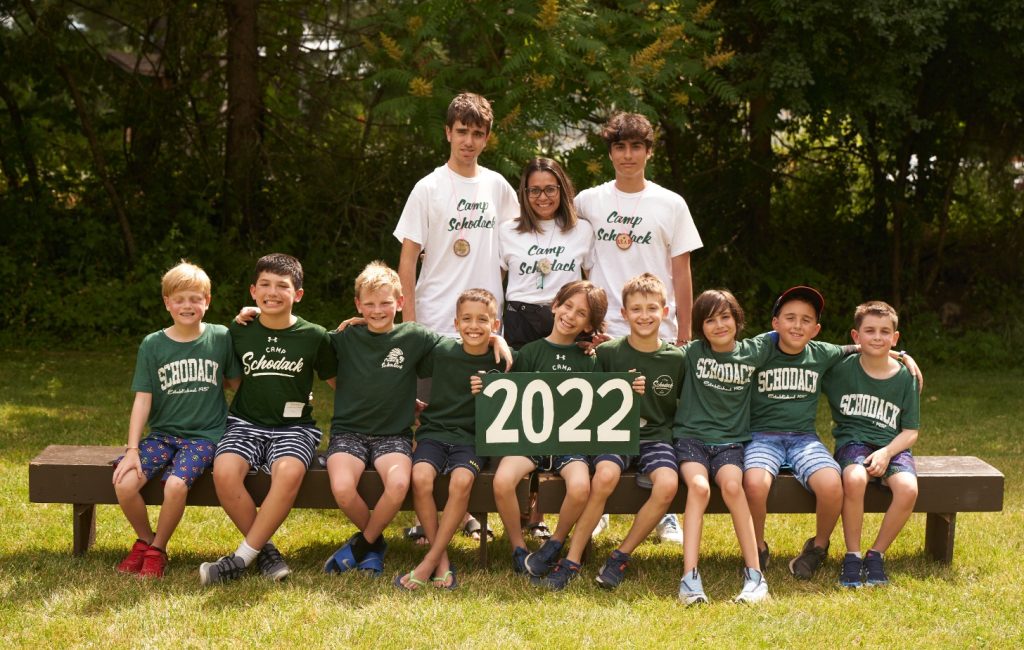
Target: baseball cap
x: 800, y: 292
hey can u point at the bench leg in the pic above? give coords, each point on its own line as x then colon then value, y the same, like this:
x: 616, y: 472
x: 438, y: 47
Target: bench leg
x: 482, y: 557
x: 939, y: 532
x: 84, y: 525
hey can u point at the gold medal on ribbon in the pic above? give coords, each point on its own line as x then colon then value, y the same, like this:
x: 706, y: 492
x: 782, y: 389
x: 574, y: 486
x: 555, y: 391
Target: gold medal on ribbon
x: 623, y: 241
x: 461, y: 247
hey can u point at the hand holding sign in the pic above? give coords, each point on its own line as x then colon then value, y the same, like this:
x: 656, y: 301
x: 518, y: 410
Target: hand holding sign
x: 528, y: 414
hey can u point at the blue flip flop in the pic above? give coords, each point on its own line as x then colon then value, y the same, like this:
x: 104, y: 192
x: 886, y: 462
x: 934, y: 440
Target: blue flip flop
x: 412, y: 579
x: 343, y: 559
x: 440, y: 581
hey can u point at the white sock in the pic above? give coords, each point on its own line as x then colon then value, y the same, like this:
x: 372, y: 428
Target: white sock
x: 857, y: 553
x: 247, y: 553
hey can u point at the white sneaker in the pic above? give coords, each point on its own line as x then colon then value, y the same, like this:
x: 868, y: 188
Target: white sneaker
x: 755, y: 589
x: 602, y: 523
x: 691, y: 589
x: 668, y: 530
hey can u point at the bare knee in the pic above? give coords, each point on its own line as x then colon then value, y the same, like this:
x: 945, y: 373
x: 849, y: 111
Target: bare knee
x: 461, y: 481
x: 604, y: 481
x: 731, y: 490
x: 423, y: 478
x: 175, y: 489
x: 699, y: 489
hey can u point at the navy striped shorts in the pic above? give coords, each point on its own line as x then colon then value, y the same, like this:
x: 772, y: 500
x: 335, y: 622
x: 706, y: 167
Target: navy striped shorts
x: 262, y: 446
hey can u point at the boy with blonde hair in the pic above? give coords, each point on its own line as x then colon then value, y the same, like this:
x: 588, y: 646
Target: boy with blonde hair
x: 876, y: 409
x: 180, y: 373
x: 374, y: 360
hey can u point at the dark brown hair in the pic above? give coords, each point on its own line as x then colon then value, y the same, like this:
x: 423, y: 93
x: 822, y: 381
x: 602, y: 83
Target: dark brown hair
x: 565, y: 215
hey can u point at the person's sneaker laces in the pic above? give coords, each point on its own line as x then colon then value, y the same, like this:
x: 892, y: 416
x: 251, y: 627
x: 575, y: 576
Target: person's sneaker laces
x: 810, y: 559
x: 614, y: 570
x: 602, y: 525
x: 668, y: 530
x: 271, y: 564
x: 541, y: 561
x: 560, y: 576
x: 874, y: 569
x: 519, y: 556
x: 755, y: 589
x: 228, y: 567
x: 153, y: 563
x: 764, y: 557
x: 132, y: 562
x: 691, y: 589
x: 853, y: 569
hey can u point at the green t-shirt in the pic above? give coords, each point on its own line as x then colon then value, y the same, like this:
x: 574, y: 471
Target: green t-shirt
x: 715, y: 403
x: 870, y: 410
x: 186, y: 381
x: 662, y: 370
x: 278, y: 367
x: 376, y: 392
x: 451, y: 414
x: 544, y: 356
x: 787, y: 386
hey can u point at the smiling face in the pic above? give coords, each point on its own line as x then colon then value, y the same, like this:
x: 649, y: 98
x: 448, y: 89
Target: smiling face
x: 720, y: 330
x: 572, y: 318
x: 467, y: 143
x: 274, y: 294
x: 629, y: 158
x: 796, y: 324
x: 378, y: 307
x: 187, y: 307
x: 475, y: 322
x: 876, y: 335
x: 543, y: 193
x: 644, y: 313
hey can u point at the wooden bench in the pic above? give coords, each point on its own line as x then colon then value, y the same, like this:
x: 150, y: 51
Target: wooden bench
x: 82, y: 476
x: 947, y: 485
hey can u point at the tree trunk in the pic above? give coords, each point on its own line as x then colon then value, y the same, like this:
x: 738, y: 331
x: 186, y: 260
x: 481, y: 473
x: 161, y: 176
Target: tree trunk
x: 22, y: 139
x: 242, y: 163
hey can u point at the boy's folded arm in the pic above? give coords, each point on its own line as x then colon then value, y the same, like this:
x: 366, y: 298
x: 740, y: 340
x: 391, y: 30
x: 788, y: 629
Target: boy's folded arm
x: 501, y: 350
x: 878, y: 461
x: 246, y: 315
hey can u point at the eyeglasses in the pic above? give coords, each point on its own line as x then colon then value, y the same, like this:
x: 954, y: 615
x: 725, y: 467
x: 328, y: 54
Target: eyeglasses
x: 550, y: 191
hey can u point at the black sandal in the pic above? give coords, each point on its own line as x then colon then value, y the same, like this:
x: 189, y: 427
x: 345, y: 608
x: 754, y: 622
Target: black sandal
x: 415, y: 533
x: 473, y: 527
x: 539, y: 530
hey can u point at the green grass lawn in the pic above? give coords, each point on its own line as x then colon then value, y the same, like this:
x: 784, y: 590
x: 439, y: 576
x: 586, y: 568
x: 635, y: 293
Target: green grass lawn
x: 50, y: 599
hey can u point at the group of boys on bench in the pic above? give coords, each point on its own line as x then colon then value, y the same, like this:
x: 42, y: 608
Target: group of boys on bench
x: 717, y: 408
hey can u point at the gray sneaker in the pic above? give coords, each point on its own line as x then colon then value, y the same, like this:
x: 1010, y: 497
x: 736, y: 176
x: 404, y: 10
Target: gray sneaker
x: 810, y: 560
x: 271, y: 563
x: 691, y: 589
x: 227, y: 568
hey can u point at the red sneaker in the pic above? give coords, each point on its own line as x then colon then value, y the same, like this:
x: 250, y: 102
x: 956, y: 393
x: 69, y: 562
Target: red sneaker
x: 153, y: 562
x: 133, y: 561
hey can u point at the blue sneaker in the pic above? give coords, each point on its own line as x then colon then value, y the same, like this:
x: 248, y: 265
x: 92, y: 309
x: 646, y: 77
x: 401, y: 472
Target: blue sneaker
x: 614, y: 570
x: 853, y: 569
x: 564, y: 572
x: 343, y: 559
x: 874, y: 570
x: 691, y: 589
x: 541, y: 562
x: 373, y: 563
x: 519, y: 555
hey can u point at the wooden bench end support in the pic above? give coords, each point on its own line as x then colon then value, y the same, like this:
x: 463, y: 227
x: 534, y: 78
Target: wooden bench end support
x: 939, y: 532
x: 84, y: 525
x: 484, y: 527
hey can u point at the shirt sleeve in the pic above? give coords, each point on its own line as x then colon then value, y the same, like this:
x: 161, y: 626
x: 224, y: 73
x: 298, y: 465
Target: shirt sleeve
x: 326, y: 360
x: 142, y: 380
x: 910, y: 413
x: 232, y: 366
x: 685, y: 237
x: 412, y: 225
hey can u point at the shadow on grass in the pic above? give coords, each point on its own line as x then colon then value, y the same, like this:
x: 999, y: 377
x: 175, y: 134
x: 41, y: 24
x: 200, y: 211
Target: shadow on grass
x: 95, y: 587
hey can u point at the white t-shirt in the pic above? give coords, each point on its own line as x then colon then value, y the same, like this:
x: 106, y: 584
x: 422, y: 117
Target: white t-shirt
x: 523, y: 254
x: 660, y: 227
x: 442, y: 208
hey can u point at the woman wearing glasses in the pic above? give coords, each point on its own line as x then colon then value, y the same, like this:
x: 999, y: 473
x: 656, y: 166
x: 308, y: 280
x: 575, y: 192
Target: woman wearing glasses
x: 546, y: 247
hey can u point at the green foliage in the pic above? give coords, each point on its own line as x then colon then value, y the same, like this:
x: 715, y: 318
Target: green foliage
x: 892, y: 134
